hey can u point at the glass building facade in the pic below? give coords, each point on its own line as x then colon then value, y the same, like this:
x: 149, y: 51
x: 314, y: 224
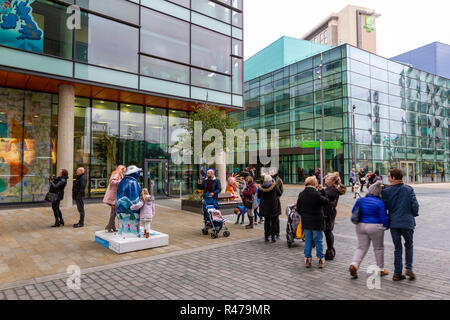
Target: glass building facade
x: 124, y: 55
x: 401, y: 115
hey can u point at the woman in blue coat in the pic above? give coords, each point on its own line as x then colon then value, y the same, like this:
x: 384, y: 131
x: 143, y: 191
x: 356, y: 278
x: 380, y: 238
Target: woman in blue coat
x: 373, y: 223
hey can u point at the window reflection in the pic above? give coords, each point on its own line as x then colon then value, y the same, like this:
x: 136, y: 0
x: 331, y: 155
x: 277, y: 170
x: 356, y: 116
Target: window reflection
x: 210, y: 50
x: 95, y: 43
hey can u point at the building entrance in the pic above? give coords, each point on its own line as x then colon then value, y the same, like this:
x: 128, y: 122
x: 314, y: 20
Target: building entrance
x: 409, y: 171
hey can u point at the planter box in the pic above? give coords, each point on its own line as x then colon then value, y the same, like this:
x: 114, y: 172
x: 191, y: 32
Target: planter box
x: 226, y: 207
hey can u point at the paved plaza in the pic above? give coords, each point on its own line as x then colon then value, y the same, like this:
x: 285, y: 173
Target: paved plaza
x: 245, y: 267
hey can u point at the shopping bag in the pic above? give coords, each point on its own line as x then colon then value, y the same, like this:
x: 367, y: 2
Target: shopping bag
x: 300, y: 234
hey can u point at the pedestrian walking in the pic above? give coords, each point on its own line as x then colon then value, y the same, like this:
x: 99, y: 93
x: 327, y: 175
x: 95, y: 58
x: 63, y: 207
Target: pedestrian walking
x: 362, y: 178
x: 371, y: 227
x: 78, y: 195
x: 402, y: 206
x: 270, y: 207
x: 352, y: 179
x: 333, y: 190
x: 110, y: 196
x: 357, y: 190
x: 248, y: 199
x: 57, y: 186
x: 310, y: 204
x: 274, y: 174
x: 318, y: 176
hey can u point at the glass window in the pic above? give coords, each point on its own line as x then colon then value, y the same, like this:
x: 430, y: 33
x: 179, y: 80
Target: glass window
x: 212, y: 9
x: 360, y: 80
x: 122, y: 10
x: 360, y: 93
x: 44, y: 29
x: 361, y: 107
x: 397, y: 79
x: 131, y: 134
x: 96, y: 45
x: 359, y: 54
x: 304, y: 65
x: 176, y: 120
x: 164, y: 36
x: 378, y: 85
x: 11, y: 143
x: 237, y: 76
x: 105, y: 134
x: 211, y: 80
x: 379, y: 74
x: 158, y: 68
x: 210, y: 50
x: 184, y: 3
x: 237, y: 47
x: 362, y: 122
x: 238, y: 4
x: 380, y: 110
x: 237, y: 19
x: 82, y: 135
x: 380, y: 125
x: 378, y: 62
x: 359, y: 67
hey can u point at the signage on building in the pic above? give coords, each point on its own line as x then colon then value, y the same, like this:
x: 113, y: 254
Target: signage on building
x: 369, y: 23
x: 17, y: 26
x: 325, y: 144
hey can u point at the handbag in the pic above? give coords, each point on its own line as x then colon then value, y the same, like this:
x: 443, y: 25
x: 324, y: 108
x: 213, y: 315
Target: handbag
x: 248, y: 203
x: 356, y: 215
x: 51, y: 197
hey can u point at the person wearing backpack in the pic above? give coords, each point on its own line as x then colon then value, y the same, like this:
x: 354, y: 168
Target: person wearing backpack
x: 402, y: 205
x: 370, y: 227
x: 333, y: 190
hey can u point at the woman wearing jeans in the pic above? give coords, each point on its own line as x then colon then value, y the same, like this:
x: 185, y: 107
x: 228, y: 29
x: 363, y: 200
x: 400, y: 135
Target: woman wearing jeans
x: 310, y: 205
x: 373, y: 223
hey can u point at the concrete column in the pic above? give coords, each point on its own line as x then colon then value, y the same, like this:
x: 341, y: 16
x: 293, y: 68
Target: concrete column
x: 66, y: 121
x: 222, y: 168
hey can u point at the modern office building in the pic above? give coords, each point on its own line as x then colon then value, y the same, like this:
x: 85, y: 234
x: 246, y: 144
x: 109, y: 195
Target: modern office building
x: 401, y: 115
x: 110, y: 85
x: 433, y: 58
x: 352, y: 25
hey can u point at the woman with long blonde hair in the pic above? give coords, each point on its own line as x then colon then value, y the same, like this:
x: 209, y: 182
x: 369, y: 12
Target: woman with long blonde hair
x: 110, y: 196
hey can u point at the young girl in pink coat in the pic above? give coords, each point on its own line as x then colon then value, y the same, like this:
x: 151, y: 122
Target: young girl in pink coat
x: 147, y: 212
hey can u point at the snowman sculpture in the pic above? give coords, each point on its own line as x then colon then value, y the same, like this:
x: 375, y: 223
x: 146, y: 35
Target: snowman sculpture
x: 128, y: 192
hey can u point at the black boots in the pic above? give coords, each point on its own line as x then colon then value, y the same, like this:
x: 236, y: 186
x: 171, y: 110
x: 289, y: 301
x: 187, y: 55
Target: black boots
x: 330, y: 254
x: 250, y: 223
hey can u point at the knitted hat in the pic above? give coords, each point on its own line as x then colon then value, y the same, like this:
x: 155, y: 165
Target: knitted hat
x: 375, y: 189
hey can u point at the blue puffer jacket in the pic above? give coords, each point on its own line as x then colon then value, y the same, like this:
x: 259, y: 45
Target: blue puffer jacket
x: 373, y: 210
x: 401, y: 202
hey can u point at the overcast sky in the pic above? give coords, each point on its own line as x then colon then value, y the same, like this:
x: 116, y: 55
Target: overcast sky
x: 402, y: 26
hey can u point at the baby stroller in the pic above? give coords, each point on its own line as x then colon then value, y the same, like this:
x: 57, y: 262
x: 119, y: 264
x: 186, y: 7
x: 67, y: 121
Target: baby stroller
x: 294, y: 220
x: 209, y: 206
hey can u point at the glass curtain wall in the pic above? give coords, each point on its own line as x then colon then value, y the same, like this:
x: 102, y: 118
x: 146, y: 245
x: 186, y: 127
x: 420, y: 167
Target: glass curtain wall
x: 401, y: 118
x: 290, y: 100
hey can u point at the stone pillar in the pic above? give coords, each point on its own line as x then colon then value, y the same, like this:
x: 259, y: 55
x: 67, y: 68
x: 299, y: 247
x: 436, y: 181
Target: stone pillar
x: 222, y: 168
x: 66, y: 120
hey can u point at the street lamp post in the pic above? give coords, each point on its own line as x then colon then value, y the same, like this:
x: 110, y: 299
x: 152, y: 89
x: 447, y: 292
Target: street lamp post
x: 353, y: 138
x: 322, y: 151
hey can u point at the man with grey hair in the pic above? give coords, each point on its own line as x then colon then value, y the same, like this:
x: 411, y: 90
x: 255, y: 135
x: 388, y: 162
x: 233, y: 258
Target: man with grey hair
x: 78, y: 195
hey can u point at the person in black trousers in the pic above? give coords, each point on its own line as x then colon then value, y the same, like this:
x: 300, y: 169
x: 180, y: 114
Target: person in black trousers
x: 78, y: 195
x: 270, y: 207
x: 57, y: 186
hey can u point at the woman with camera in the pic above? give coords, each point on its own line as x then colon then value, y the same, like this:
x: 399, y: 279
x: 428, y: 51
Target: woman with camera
x: 57, y: 186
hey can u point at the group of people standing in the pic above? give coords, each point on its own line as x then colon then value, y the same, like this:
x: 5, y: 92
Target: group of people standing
x: 317, y: 207
x: 394, y: 207
x: 361, y: 178
x: 59, y: 183
x: 57, y: 186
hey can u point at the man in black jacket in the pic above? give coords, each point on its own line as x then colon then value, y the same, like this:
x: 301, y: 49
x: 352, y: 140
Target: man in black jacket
x: 78, y: 195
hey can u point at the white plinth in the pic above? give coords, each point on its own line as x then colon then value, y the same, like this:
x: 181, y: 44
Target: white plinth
x: 122, y: 245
